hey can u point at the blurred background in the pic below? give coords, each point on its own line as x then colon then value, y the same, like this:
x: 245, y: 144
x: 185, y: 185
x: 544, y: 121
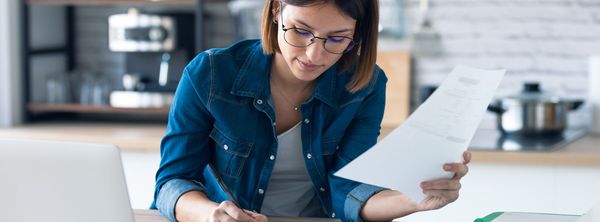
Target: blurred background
x: 106, y: 70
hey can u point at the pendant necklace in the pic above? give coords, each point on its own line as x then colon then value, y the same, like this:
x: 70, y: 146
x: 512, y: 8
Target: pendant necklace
x: 296, y: 107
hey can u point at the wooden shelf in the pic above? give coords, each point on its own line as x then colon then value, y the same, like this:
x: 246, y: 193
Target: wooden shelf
x: 111, y: 2
x: 78, y: 108
x: 119, y: 2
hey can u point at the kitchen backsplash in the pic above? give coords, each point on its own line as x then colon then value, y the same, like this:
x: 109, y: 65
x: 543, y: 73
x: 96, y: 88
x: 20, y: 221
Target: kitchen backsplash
x: 549, y: 41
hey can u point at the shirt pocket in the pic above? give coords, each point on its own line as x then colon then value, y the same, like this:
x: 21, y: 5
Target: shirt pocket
x: 230, y: 154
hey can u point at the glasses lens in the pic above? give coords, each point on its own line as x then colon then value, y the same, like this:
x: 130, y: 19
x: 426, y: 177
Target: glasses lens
x: 302, y: 38
x: 338, y: 44
x: 298, y: 37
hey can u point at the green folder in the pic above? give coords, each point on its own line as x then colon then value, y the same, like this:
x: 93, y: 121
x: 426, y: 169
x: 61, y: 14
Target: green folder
x: 489, y: 217
x: 558, y: 217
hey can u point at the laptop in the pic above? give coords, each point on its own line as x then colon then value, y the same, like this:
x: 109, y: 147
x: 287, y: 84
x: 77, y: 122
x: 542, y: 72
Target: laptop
x: 62, y: 182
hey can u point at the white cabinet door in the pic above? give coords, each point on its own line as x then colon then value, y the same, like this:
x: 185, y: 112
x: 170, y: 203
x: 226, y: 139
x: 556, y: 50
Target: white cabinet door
x: 529, y: 188
x: 577, y: 189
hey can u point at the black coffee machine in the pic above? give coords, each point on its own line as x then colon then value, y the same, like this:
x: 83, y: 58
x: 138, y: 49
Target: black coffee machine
x: 157, y: 47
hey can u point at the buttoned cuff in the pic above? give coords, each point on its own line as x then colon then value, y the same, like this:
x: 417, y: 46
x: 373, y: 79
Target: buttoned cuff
x: 357, y: 198
x: 170, y: 192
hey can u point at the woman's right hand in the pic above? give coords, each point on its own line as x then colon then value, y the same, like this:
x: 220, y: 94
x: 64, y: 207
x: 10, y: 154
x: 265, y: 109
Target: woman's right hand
x: 227, y: 211
x: 195, y: 206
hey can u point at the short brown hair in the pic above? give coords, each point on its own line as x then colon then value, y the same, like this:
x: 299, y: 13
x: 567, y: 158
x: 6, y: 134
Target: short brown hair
x: 362, y: 57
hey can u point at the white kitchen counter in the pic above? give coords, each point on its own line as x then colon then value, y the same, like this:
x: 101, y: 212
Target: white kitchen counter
x: 130, y: 136
x: 146, y: 137
x: 582, y: 152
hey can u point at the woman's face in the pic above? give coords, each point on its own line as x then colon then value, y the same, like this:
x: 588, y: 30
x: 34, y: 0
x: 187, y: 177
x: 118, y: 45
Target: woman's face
x: 323, y: 20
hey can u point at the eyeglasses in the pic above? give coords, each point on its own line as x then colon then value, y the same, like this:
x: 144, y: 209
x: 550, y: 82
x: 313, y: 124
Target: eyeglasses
x: 298, y: 37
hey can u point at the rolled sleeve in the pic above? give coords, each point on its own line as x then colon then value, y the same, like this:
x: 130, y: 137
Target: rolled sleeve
x: 357, y: 198
x: 170, y: 192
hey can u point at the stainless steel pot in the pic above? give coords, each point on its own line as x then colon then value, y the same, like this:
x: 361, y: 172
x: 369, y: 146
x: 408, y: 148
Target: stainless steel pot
x: 532, y: 112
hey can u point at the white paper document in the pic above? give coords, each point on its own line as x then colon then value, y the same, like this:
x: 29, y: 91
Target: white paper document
x: 438, y: 132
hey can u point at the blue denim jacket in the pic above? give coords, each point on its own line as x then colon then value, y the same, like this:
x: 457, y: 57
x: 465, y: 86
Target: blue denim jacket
x: 222, y: 115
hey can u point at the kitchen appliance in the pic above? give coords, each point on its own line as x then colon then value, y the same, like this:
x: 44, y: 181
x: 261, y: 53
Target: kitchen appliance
x: 156, y: 49
x: 135, y: 32
x: 494, y: 140
x: 531, y: 121
x: 533, y: 112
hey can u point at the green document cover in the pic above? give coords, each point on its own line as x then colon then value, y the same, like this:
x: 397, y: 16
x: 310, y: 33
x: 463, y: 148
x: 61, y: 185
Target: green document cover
x: 526, y: 217
x: 489, y: 217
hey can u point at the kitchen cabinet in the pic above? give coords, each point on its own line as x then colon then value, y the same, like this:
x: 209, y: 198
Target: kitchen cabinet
x: 559, y: 188
x: 396, y: 65
x: 577, y: 188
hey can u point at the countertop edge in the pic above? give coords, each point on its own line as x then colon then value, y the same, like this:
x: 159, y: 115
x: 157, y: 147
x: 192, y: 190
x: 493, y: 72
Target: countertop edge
x: 147, y: 137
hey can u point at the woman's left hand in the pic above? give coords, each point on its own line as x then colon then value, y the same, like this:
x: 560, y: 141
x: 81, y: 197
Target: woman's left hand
x: 444, y: 191
x: 439, y: 193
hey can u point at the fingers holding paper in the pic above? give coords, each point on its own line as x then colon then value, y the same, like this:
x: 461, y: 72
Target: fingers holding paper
x: 444, y: 191
x: 459, y: 169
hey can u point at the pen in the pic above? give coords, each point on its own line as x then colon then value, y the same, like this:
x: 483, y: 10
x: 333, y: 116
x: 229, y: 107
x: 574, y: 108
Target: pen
x: 225, y: 189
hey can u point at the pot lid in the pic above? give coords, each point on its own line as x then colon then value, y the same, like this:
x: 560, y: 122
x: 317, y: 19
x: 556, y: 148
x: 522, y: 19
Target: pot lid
x: 532, y: 93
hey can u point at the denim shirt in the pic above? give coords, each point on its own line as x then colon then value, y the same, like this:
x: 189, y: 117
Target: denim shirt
x: 222, y: 114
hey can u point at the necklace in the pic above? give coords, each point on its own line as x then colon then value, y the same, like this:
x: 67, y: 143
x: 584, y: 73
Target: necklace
x: 280, y: 91
x: 285, y: 97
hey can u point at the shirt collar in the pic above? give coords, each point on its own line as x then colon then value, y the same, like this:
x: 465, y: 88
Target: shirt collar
x: 253, y: 78
x: 326, y: 85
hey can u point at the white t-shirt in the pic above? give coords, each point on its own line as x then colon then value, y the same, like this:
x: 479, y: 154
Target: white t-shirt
x: 290, y: 192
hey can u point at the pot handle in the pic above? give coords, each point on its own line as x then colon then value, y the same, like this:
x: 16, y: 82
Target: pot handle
x: 575, y: 104
x: 496, y: 109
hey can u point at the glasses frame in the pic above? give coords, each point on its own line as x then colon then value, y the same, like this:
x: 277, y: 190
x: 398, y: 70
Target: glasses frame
x: 312, y: 40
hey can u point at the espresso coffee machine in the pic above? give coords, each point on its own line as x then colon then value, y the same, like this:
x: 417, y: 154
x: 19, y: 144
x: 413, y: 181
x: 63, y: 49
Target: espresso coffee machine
x: 156, y: 49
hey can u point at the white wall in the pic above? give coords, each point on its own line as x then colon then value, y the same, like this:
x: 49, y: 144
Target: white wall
x: 10, y: 64
x: 535, y: 40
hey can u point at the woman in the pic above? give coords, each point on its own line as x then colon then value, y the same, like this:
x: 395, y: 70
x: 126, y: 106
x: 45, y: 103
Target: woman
x: 278, y: 117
